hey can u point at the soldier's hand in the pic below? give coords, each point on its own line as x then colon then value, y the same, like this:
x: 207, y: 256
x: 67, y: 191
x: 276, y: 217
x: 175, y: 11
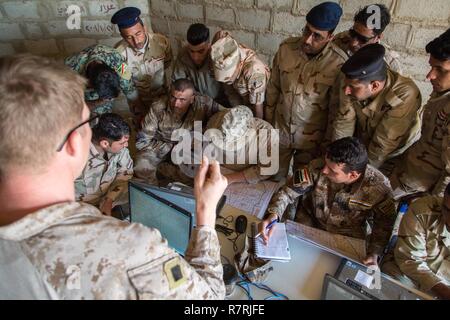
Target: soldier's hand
x: 371, y: 260
x: 106, y: 207
x: 209, y: 186
x: 262, y: 228
x: 442, y: 291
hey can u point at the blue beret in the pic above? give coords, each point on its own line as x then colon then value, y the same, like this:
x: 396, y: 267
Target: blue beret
x: 126, y: 17
x: 365, y: 62
x: 325, y: 16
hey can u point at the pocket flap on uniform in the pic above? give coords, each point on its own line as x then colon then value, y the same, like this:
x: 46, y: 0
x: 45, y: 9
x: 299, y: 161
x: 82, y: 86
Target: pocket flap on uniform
x: 159, y: 278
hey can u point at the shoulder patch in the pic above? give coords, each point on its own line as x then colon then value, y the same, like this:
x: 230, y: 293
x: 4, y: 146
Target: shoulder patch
x: 123, y: 71
x: 174, y: 272
x: 387, y: 207
x: 302, y: 178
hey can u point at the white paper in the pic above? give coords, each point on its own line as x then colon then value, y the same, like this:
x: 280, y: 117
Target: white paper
x: 350, y: 248
x: 364, y: 279
x: 251, y: 198
x: 278, y: 246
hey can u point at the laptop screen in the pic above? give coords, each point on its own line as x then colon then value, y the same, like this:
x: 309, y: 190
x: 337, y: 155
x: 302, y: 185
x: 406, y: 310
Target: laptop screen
x: 173, y: 222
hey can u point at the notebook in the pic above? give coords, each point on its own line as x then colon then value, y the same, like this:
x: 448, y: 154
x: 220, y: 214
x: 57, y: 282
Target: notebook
x: 278, y: 246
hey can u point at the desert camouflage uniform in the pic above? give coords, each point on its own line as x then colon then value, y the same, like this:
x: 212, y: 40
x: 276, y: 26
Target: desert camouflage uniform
x: 426, y: 165
x: 388, y: 125
x: 150, y: 70
x: 202, y: 77
x: 154, y: 142
x: 102, y: 179
x: 71, y: 251
x: 254, y: 134
x: 112, y: 59
x: 249, y: 88
x: 391, y: 57
x: 423, y: 246
x: 299, y: 95
x: 343, y: 209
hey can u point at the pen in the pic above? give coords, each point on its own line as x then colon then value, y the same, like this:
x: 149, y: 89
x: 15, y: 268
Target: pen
x: 270, y: 225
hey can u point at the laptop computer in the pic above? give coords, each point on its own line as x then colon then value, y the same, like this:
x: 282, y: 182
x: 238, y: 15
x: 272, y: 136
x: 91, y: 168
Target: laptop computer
x: 170, y: 212
x: 334, y: 289
x: 361, y: 279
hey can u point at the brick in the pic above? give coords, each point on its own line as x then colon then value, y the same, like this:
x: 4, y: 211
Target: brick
x: 141, y: 4
x: 422, y: 36
x: 396, y: 34
x: 98, y: 27
x: 265, y: 58
x: 33, y: 30
x: 246, y: 38
x: 110, y: 42
x: 278, y: 4
x: 425, y: 89
x: 350, y: 7
x: 59, y: 27
x: 425, y: 10
x: 220, y: 14
x: 244, y: 3
x: 166, y: 8
x: 303, y: 6
x: 269, y: 43
x: 103, y: 7
x: 59, y: 8
x: 414, y: 65
x: 253, y: 19
x: 160, y: 25
x: 179, y: 28
x: 343, y: 25
x: 6, y: 49
x: 10, y: 31
x: 22, y: 9
x: 190, y: 11
x: 287, y: 23
x: 41, y: 47
x: 77, y: 44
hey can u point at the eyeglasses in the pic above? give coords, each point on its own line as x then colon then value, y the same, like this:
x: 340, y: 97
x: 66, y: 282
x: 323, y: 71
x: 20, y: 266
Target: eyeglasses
x: 92, y: 122
x: 361, y: 39
x: 316, y: 36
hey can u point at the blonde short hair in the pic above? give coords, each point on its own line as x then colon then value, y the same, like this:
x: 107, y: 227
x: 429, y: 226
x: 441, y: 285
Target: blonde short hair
x: 40, y: 102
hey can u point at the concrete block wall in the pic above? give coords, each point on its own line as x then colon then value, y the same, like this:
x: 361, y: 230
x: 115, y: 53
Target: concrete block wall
x: 39, y: 26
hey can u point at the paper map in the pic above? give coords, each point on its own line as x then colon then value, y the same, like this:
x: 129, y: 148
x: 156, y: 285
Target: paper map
x: 348, y: 247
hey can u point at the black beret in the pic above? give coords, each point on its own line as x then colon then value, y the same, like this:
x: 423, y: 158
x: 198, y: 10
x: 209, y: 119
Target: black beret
x: 365, y: 62
x: 126, y: 17
x: 325, y: 16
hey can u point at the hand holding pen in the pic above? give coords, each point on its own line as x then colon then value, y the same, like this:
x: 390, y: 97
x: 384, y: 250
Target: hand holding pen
x: 265, y: 227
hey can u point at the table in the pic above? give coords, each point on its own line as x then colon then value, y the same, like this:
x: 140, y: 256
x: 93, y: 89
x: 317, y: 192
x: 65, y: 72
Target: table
x: 299, y: 279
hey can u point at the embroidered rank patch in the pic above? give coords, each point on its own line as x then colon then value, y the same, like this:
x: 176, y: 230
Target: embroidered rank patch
x: 360, y: 203
x: 387, y: 207
x: 174, y: 273
x: 302, y: 178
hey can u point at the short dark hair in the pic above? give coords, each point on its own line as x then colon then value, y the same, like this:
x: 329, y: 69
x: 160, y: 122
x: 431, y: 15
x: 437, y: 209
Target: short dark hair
x: 439, y: 48
x: 197, y: 34
x: 351, y: 152
x: 183, y: 84
x: 104, y: 80
x: 385, y: 17
x: 111, y: 127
